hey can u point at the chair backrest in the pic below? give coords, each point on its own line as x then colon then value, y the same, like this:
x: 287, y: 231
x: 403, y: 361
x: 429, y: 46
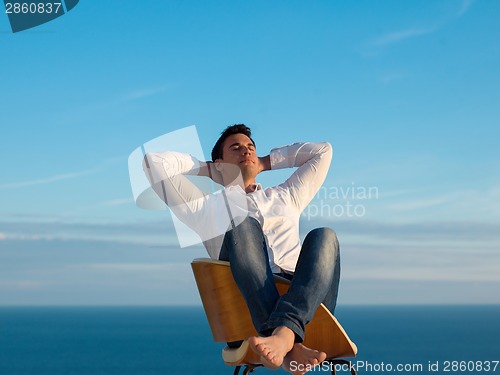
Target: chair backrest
x: 230, y: 320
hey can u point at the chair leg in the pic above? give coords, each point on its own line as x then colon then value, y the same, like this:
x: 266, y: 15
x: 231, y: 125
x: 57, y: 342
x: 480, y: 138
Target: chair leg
x: 248, y: 369
x: 334, y: 362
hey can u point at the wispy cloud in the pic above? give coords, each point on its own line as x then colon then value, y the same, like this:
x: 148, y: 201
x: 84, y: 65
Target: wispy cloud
x: 390, y: 77
x: 159, y: 239
x: 385, y: 194
x: 22, y: 284
x: 118, y: 202
x: 415, y: 32
x: 419, y: 203
x: 137, y: 267
x: 374, y: 252
x: 46, y: 180
x: 400, y: 36
x: 160, y: 233
x: 464, y: 7
x: 482, y: 204
x: 98, y: 206
x: 404, y: 272
x: 60, y: 177
x: 143, y: 93
x: 426, y: 233
x: 3, y: 236
x: 112, y: 102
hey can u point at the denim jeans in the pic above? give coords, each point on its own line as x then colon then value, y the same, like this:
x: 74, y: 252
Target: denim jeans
x: 315, y: 280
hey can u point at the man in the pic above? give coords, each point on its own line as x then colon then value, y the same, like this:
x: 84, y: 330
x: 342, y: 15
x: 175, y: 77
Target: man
x: 261, y: 235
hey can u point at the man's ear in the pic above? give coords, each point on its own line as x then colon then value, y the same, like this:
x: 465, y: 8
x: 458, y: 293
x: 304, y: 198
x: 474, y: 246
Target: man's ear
x: 219, y: 165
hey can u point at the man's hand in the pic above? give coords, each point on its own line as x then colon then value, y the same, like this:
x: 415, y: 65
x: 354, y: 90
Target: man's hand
x: 208, y: 169
x: 264, y: 163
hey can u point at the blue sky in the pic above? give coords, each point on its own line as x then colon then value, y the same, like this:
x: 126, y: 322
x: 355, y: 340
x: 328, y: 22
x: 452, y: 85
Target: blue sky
x: 406, y: 93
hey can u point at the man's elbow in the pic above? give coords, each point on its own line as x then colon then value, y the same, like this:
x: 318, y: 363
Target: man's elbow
x: 146, y: 162
x: 326, y: 150
x: 149, y: 168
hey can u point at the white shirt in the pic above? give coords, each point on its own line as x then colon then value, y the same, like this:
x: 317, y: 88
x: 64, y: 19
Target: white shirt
x: 276, y: 208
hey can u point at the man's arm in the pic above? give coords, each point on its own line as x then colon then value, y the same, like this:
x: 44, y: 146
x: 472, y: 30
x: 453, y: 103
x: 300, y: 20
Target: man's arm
x: 207, y: 169
x: 265, y: 163
x: 166, y: 173
x: 313, y: 161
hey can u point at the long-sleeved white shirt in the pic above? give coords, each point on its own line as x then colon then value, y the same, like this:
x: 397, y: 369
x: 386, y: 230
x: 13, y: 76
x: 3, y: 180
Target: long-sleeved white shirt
x: 276, y: 208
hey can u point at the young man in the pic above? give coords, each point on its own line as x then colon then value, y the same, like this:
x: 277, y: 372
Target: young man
x: 257, y: 231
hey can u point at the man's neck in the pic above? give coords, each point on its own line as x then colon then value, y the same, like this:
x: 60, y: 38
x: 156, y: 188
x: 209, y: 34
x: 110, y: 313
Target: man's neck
x: 247, y: 184
x: 250, y: 187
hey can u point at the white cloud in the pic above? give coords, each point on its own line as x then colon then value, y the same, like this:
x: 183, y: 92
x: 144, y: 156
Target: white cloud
x: 401, y: 35
x: 140, y: 267
x: 158, y: 233
x: 479, y: 203
x: 411, y: 205
x: 3, y: 236
x: 143, y: 93
x: 118, y: 202
x: 390, y: 77
x: 464, y: 7
x: 46, y: 180
x: 414, y: 32
x: 485, y: 272
x: 94, y: 207
x: 22, y: 284
x: 29, y: 237
x: 60, y: 177
x: 157, y: 240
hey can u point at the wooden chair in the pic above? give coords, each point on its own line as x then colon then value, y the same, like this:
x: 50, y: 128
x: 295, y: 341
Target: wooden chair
x: 230, y: 320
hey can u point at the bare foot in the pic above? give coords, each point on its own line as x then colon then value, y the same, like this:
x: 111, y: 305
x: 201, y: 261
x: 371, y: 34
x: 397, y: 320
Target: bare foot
x: 302, y: 359
x: 274, y: 348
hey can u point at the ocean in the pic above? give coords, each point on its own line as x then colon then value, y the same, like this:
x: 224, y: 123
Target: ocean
x: 177, y: 340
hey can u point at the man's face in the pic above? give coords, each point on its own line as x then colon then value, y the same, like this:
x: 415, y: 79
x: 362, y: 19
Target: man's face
x: 239, y: 150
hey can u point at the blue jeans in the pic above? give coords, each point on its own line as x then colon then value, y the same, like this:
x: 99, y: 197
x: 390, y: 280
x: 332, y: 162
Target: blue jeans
x: 315, y: 280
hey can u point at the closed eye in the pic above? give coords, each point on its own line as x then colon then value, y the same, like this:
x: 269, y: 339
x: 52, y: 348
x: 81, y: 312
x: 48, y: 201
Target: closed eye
x: 236, y: 147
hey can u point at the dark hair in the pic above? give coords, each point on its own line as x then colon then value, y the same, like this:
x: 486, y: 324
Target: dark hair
x: 230, y: 130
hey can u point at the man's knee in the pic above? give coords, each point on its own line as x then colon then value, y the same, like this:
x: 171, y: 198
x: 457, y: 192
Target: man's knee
x: 327, y: 238
x: 324, y: 231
